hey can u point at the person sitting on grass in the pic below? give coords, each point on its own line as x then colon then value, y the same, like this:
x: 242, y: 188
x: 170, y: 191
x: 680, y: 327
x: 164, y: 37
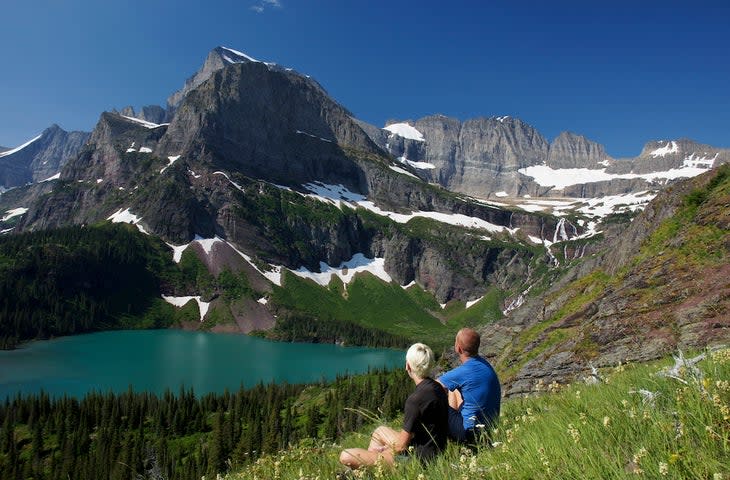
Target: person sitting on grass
x: 474, y: 390
x: 425, y: 422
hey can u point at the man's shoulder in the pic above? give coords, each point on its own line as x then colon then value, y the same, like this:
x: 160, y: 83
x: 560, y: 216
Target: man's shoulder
x: 483, y: 364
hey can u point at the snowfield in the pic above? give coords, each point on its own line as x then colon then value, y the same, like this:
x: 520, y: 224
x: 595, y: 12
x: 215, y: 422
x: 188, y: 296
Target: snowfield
x: 15, y: 212
x: 339, y: 195
x: 404, y: 130
x: 566, y: 177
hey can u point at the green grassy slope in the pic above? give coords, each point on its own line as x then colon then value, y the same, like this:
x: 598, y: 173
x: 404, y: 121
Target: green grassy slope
x: 635, y: 423
x: 372, y: 303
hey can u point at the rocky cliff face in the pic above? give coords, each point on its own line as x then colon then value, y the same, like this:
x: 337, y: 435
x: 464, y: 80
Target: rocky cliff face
x: 482, y: 157
x: 267, y: 123
x: 660, y: 156
x: 42, y: 158
x: 569, y: 150
x: 658, y: 285
x: 478, y: 157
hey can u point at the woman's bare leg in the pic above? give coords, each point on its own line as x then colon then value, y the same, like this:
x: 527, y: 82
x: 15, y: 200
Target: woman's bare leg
x: 380, y: 449
x: 359, y: 457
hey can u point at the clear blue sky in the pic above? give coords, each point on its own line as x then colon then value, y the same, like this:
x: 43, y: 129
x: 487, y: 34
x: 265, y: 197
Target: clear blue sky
x: 620, y: 72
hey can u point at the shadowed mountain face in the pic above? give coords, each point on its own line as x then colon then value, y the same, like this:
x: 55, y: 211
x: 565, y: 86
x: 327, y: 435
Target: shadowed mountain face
x: 267, y: 123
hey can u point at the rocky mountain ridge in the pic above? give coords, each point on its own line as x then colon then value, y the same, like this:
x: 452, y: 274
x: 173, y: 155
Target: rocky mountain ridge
x: 485, y: 156
x: 202, y: 175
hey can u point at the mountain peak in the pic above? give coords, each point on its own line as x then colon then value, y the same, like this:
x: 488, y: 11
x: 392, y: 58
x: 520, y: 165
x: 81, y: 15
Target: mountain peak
x: 233, y: 56
x: 219, y: 58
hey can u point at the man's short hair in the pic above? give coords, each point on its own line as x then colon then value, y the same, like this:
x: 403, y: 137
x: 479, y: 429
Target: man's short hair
x: 421, y: 360
x: 469, y: 340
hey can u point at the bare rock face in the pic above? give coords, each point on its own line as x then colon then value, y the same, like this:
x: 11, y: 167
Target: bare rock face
x: 569, y: 150
x: 42, y: 158
x: 214, y: 62
x: 267, y: 123
x: 481, y: 157
x: 658, y: 156
x: 478, y: 157
x: 641, y: 306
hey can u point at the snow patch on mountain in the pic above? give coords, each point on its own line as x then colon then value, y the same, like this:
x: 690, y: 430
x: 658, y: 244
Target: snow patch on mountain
x: 670, y: 147
x: 171, y: 160
x: 400, y: 170
x: 207, y: 243
x: 144, y: 123
x: 603, y: 206
x: 17, y: 149
x: 405, y: 130
x: 471, y: 303
x: 182, y: 301
x: 699, y: 162
x: 242, y: 57
x: 177, y: 251
x: 15, y: 212
x: 421, y: 165
x: 565, y: 177
x: 273, y: 274
x: 125, y: 216
x: 302, y: 132
x: 338, y: 195
x: 346, y: 270
x: 231, y: 181
x: 52, y: 177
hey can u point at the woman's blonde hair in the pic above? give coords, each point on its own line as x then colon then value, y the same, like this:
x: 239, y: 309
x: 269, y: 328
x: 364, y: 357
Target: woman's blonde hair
x: 421, y: 360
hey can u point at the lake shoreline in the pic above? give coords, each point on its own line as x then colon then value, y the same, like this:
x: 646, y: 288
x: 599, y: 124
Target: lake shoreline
x: 164, y: 359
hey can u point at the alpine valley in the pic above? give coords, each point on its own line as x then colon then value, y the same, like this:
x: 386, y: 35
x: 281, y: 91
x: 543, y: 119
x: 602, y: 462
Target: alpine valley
x: 255, y: 203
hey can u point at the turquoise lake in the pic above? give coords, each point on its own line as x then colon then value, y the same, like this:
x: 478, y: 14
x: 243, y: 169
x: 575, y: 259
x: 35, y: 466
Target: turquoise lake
x: 157, y: 360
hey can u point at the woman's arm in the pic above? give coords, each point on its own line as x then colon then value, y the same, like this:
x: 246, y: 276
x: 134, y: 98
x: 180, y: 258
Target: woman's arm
x: 387, y: 439
x: 401, y: 443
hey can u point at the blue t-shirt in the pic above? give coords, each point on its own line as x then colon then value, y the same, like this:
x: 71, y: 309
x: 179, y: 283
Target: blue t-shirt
x: 479, y: 387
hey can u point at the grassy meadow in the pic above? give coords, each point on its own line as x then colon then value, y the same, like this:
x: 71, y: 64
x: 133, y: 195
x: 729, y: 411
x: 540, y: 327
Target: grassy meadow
x: 636, y: 421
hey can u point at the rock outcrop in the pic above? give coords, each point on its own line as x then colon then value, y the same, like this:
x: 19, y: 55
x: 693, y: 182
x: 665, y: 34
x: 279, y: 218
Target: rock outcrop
x: 569, y: 150
x: 642, y: 297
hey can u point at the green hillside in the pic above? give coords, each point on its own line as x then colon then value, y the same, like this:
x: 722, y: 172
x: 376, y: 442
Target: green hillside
x: 637, y: 422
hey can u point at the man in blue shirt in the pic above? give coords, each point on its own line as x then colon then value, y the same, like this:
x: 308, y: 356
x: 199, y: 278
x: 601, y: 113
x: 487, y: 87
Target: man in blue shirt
x: 473, y: 388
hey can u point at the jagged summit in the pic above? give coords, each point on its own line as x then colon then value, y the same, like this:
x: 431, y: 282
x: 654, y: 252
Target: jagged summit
x: 234, y: 56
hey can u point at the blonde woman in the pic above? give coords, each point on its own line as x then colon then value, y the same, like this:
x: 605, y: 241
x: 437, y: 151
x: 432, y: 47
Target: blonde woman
x: 425, y: 422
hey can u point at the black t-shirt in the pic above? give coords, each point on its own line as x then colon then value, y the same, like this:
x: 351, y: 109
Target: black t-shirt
x: 426, y: 417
